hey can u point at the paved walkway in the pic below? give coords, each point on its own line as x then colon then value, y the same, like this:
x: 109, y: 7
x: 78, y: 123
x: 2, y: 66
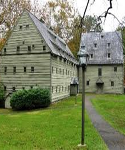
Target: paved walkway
x: 113, y: 139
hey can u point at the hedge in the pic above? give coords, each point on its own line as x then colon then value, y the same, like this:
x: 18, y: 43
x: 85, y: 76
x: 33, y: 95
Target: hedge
x: 30, y: 99
x: 2, y: 96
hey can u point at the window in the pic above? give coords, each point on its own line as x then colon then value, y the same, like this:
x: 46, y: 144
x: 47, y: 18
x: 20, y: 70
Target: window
x: 14, y: 70
x: 99, y: 71
x: 63, y: 71
x: 32, y: 69
x: 91, y: 56
x: 29, y: 48
x: 21, y: 27
x: 56, y: 70
x: 52, y: 69
x: 112, y: 83
x: 5, y: 50
x: 13, y: 88
x: 23, y: 88
x: 60, y: 71
x: 27, y: 26
x: 33, y: 46
x: 31, y: 87
x: 44, y: 48
x: 66, y: 71
x: 87, y: 83
x: 102, y: 36
x: 23, y: 42
x: 24, y: 69
x: 5, y: 70
x: 115, y: 69
x: 52, y: 89
x: 18, y: 48
x: 108, y: 44
x: 5, y: 88
x: 82, y: 47
x: 62, y: 88
x: 109, y: 55
x: 95, y: 45
x: 56, y: 89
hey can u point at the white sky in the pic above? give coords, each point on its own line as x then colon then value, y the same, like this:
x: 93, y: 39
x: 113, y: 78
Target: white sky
x: 98, y: 8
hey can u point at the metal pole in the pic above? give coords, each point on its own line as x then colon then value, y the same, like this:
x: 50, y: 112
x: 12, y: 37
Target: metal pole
x: 83, y: 106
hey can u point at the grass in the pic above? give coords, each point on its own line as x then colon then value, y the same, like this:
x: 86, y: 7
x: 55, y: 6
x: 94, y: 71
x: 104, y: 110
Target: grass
x: 112, y: 108
x: 55, y: 128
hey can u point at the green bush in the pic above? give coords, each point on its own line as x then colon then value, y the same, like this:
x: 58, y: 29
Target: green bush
x: 30, y: 99
x: 2, y: 96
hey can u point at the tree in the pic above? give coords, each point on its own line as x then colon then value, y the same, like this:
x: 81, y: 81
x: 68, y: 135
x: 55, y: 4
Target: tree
x: 59, y: 15
x: 10, y: 11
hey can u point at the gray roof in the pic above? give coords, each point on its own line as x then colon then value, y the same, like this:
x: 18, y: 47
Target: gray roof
x: 100, y: 45
x: 55, y: 43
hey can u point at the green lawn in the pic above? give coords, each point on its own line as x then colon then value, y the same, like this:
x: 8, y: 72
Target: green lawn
x: 112, y: 108
x: 55, y: 128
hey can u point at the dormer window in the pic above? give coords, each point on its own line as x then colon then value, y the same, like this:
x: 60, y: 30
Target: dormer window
x: 95, y: 45
x: 109, y: 55
x: 82, y: 47
x: 18, y: 48
x: 21, y: 27
x: 27, y: 26
x: 102, y: 36
x: 91, y: 56
x: 108, y: 44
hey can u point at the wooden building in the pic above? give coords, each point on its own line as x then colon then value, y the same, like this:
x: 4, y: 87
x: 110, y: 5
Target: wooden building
x: 105, y: 71
x: 34, y: 56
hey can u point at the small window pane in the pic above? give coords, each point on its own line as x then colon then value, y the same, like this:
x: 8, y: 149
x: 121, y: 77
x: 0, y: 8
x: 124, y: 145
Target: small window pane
x: 29, y: 48
x: 109, y: 55
x: 44, y: 48
x: 27, y: 26
x: 24, y: 69
x: 109, y: 44
x: 33, y: 46
x: 5, y: 70
x: 32, y: 69
x: 21, y: 27
x: 115, y: 69
x: 99, y: 71
x: 87, y: 82
x: 4, y: 50
x: 112, y: 83
x: 14, y: 69
x: 5, y: 88
x: 18, y: 48
x: 14, y: 88
x: 95, y: 44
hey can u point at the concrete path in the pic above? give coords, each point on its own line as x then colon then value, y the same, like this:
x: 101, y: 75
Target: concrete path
x: 113, y: 139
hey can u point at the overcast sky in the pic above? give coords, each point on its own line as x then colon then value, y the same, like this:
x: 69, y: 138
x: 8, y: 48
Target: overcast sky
x: 99, y: 7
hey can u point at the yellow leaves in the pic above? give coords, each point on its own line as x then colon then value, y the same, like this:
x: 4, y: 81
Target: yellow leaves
x: 2, y: 42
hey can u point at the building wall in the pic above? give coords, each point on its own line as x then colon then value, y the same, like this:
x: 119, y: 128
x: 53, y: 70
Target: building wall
x: 38, y: 58
x: 108, y: 75
x: 40, y: 76
x: 62, y: 72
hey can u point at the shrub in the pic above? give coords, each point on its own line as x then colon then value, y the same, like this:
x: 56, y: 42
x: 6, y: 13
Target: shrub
x: 30, y: 99
x: 2, y: 96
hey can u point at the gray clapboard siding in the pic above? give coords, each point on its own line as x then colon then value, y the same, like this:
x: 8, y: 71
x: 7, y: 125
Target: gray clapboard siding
x: 108, y: 75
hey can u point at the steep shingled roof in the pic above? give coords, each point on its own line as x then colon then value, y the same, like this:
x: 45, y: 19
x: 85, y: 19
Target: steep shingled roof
x: 103, y: 48
x: 55, y: 43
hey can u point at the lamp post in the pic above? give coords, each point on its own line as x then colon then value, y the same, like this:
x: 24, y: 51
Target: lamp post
x: 83, y: 57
